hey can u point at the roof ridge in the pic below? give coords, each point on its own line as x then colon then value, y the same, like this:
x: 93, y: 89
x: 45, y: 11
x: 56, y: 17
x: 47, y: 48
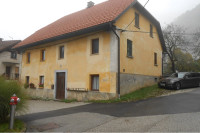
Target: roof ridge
x: 99, y: 14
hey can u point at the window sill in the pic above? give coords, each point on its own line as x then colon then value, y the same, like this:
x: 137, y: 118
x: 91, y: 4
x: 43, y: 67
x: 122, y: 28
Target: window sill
x: 78, y: 89
x: 94, y: 54
x: 156, y: 65
x: 95, y: 90
x: 131, y: 57
x: 60, y: 58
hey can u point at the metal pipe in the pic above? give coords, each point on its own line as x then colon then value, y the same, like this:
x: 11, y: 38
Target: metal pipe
x: 118, y: 58
x: 12, y: 116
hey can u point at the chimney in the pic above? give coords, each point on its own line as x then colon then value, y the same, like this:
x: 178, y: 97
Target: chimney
x: 1, y: 39
x: 90, y: 4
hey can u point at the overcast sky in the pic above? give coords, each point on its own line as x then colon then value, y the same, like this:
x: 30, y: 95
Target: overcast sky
x: 21, y: 18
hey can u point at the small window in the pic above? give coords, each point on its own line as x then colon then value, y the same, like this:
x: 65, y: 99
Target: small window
x: 28, y: 57
x: 95, y: 46
x: 27, y: 79
x: 155, y: 59
x: 95, y: 82
x: 151, y: 30
x: 41, y: 80
x: 14, y: 55
x: 137, y: 22
x: 129, y: 48
x: 43, y: 55
x: 61, y: 51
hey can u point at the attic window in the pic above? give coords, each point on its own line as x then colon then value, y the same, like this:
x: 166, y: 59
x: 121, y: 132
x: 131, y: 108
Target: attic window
x: 61, y: 52
x: 95, y: 46
x: 43, y: 55
x: 151, y: 30
x: 28, y: 57
x: 137, y: 20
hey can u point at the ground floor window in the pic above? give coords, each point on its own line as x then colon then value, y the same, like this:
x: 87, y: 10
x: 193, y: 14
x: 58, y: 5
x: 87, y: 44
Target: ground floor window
x: 27, y: 79
x: 95, y: 82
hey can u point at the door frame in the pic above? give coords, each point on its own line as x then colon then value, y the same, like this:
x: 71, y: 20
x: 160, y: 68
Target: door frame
x: 55, y: 85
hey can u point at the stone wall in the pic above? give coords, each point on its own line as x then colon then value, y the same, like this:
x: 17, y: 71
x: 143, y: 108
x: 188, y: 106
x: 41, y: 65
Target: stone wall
x: 89, y: 95
x: 132, y: 82
x: 41, y: 93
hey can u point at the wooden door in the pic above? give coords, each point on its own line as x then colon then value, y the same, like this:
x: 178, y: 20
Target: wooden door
x: 60, y: 85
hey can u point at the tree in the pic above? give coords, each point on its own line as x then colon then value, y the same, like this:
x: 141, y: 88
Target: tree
x: 184, y: 62
x: 174, y: 37
x: 196, y: 44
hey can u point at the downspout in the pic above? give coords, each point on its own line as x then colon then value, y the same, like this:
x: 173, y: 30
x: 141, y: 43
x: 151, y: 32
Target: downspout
x: 162, y: 64
x: 118, y: 58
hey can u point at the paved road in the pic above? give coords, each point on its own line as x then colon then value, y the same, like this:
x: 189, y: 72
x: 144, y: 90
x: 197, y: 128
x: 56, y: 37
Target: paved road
x: 179, y: 112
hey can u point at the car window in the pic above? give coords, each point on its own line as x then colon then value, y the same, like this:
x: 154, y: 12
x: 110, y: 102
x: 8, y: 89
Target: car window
x: 181, y: 75
x: 174, y: 75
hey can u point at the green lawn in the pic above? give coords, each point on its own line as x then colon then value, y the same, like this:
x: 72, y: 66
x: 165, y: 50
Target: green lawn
x: 141, y: 94
x: 19, y: 126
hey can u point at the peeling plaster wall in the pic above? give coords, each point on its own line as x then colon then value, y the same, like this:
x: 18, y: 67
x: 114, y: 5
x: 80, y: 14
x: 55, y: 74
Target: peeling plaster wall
x: 78, y: 61
x: 143, y: 46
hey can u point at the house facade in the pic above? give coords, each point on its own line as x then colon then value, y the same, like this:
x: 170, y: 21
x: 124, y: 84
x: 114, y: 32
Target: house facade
x: 82, y: 55
x: 10, y: 60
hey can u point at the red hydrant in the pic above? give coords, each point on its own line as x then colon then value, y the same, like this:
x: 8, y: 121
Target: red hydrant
x: 13, y: 102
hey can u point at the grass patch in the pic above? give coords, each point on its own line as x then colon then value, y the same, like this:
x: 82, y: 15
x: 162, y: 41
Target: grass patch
x: 19, y: 126
x: 141, y: 94
x: 69, y: 101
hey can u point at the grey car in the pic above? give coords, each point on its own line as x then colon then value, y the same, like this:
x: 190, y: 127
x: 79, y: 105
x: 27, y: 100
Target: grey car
x: 180, y: 80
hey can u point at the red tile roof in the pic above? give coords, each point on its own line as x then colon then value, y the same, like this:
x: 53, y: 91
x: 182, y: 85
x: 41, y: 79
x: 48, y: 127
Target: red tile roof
x: 99, y: 14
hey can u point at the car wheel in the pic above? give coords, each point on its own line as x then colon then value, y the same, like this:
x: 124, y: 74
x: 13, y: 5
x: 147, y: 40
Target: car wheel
x: 177, y: 86
x: 199, y: 85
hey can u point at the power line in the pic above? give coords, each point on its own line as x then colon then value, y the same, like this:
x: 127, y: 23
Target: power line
x: 189, y: 34
x: 134, y: 17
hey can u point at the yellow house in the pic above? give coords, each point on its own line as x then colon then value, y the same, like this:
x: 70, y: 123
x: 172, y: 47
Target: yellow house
x: 83, y: 55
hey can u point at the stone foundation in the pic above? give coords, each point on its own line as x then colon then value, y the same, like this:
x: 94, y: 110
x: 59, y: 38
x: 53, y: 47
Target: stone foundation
x: 89, y: 95
x: 132, y: 82
x: 129, y: 83
x: 42, y: 93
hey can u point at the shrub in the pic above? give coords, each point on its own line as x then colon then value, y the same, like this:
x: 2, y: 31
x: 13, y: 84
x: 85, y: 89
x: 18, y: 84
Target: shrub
x: 41, y: 85
x: 26, y: 85
x: 32, y: 85
x: 7, y: 89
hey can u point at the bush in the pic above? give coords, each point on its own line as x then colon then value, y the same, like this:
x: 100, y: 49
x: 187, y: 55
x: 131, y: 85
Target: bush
x: 7, y: 89
x: 26, y: 85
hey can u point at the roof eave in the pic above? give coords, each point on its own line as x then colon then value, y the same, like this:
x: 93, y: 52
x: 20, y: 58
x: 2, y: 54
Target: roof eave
x: 104, y: 26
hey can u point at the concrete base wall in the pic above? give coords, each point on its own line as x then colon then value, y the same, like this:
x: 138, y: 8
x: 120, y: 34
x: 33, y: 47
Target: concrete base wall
x: 129, y: 83
x: 42, y: 93
x: 89, y: 95
x: 132, y: 82
x: 79, y: 95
